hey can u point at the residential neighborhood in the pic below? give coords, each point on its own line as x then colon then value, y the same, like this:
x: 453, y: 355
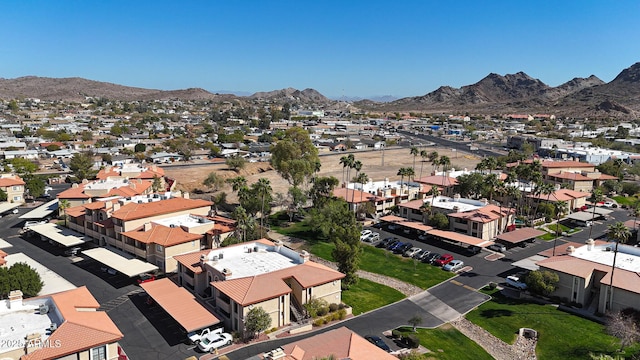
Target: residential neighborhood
x: 207, y: 231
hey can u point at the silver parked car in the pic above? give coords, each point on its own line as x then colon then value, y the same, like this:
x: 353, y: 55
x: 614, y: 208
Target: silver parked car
x: 453, y: 265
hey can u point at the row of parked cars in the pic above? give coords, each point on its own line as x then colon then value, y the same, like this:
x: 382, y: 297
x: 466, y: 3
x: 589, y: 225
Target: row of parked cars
x: 446, y: 261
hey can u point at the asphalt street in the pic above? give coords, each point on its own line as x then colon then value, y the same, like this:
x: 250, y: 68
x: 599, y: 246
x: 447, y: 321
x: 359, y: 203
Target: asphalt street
x: 151, y: 334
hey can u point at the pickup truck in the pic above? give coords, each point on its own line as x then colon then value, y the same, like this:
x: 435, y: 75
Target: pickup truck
x: 196, y: 336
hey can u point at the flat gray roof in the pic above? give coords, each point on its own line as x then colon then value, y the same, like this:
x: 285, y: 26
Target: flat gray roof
x: 583, y: 216
x: 6, y: 206
x: 59, y: 234
x: 130, y: 267
x: 41, y: 211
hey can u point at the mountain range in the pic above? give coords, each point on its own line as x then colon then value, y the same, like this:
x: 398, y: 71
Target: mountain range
x: 494, y: 94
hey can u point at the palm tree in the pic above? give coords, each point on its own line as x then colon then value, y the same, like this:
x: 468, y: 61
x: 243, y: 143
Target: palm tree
x: 344, y: 161
x: 425, y: 209
x: 349, y: 163
x: 237, y: 183
x: 242, y: 220
x: 433, y: 158
x: 596, y: 197
x: 446, y: 165
x: 410, y: 176
x: 491, y: 184
x: 620, y: 233
x: 63, y: 205
x: 358, y: 166
x: 561, y: 207
x: 361, y: 178
x: 423, y: 154
x: 262, y: 188
x: 434, y: 192
x: 402, y: 172
x: 415, y: 152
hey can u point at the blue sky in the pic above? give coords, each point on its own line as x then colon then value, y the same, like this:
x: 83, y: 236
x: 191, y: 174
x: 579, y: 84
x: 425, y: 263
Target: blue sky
x: 355, y: 48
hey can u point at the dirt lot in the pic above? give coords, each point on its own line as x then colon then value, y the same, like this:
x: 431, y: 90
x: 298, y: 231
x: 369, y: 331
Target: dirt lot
x: 190, y: 178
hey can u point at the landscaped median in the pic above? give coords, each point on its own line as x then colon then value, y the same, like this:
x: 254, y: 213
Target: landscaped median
x: 560, y: 335
x: 446, y: 342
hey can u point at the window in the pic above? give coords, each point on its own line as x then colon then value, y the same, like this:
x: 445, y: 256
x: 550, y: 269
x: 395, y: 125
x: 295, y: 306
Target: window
x: 99, y: 353
x: 17, y: 198
x: 159, y: 248
x: 16, y: 188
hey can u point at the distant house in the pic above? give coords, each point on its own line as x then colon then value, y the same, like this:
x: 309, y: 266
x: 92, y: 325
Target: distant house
x: 13, y: 186
x: 165, y: 158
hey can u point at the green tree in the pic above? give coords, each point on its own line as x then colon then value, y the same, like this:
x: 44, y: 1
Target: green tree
x: 439, y: 221
x: 542, y: 282
x: 596, y: 197
x: 243, y: 223
x: 237, y: 183
x: 322, y: 190
x: 257, y: 321
x: 140, y: 148
x: 13, y: 106
x: 298, y: 199
x: 213, y: 181
x: 53, y: 147
x: 219, y: 200
x: 25, y: 278
x: 413, y: 151
x: 337, y: 224
x: 3, y: 195
x: 35, y: 186
x: 236, y: 162
x: 22, y: 167
x: 156, y: 185
x: 81, y: 165
x: 295, y: 157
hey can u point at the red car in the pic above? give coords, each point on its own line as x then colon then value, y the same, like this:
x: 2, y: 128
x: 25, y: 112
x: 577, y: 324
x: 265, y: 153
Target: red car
x: 143, y: 278
x: 443, y: 260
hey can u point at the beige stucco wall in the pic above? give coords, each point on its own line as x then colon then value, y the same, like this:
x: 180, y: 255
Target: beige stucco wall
x: 15, y: 194
x: 277, y: 308
x: 170, y: 264
x: 330, y: 292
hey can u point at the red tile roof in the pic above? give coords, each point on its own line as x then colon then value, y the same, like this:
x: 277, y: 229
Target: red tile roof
x: 14, y: 180
x: 561, y: 195
x: 132, y: 211
x: 83, y: 328
x: 438, y: 180
x: 340, y: 343
x: 163, y: 235
x: 192, y: 260
x: 258, y: 288
x: 180, y: 304
x: 357, y: 195
x: 519, y: 235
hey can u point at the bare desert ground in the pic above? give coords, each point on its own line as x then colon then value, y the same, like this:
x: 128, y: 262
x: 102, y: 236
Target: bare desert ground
x: 190, y: 178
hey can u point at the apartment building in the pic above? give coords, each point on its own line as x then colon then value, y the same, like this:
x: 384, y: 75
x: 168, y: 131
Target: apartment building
x: 155, y: 227
x: 261, y: 273
x: 64, y: 325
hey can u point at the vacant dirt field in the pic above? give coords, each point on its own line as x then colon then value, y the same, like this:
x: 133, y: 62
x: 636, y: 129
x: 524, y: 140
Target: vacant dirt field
x: 190, y: 178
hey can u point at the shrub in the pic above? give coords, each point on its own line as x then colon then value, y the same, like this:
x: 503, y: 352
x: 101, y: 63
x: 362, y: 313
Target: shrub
x: 333, y: 307
x: 326, y: 320
x: 318, y: 322
x: 396, y: 334
x: 342, y: 306
x: 322, y: 311
x: 411, y: 341
x: 335, y: 316
x: 492, y: 286
x: 342, y: 313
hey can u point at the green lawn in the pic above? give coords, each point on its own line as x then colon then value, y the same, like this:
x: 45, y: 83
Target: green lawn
x: 630, y: 201
x: 383, y: 262
x: 561, y: 335
x: 553, y: 227
x: 367, y: 295
x: 446, y: 342
x: 372, y: 259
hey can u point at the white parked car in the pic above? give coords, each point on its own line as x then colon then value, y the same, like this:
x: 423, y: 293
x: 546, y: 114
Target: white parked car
x: 214, y: 340
x: 365, y: 233
x: 371, y: 238
x: 411, y: 252
x: 453, y: 265
x: 608, y: 204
